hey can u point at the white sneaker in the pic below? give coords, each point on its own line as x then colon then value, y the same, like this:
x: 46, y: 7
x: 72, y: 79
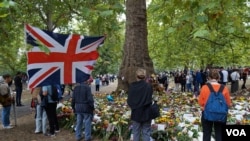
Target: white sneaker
x: 57, y: 131
x: 7, y: 127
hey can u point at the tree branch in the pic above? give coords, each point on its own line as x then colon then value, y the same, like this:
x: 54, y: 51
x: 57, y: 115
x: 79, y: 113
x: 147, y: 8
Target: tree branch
x: 41, y: 15
x: 242, y: 37
x: 72, y: 10
x: 216, y: 43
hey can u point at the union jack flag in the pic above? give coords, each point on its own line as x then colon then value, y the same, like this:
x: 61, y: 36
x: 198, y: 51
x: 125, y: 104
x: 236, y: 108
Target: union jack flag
x: 70, y: 58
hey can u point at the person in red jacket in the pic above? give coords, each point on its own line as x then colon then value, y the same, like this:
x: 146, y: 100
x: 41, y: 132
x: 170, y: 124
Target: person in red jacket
x: 207, y: 126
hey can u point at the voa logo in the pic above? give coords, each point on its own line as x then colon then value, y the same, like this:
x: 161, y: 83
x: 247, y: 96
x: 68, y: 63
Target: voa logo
x: 236, y: 132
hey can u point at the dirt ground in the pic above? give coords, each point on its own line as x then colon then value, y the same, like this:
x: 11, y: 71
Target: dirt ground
x: 24, y: 131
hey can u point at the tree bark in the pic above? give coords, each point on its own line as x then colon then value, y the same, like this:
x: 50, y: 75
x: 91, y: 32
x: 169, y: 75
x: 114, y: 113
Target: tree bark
x: 135, y: 50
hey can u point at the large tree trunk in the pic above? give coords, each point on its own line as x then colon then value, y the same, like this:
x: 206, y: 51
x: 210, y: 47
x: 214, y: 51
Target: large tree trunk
x: 135, y: 50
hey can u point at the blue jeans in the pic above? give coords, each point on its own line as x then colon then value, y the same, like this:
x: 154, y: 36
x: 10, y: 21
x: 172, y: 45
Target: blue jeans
x: 41, y: 119
x: 189, y: 87
x: 87, y: 119
x: 6, y: 115
x: 144, y: 127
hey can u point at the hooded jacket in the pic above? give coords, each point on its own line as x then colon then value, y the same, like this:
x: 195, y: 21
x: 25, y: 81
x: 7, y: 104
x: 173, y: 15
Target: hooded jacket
x: 139, y: 100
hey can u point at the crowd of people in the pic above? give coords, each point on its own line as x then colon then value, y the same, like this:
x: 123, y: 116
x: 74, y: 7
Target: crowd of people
x: 139, y: 99
x: 191, y: 81
x: 140, y: 96
x: 45, y: 112
x: 103, y: 80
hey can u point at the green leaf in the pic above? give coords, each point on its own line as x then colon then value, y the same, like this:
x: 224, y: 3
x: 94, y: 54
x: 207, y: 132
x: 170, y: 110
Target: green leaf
x: 202, y: 18
x: 201, y: 33
x: 231, y: 30
x: 106, y: 13
x: 171, y: 30
x: 42, y: 47
x: 86, y: 11
x: 7, y: 4
x: 211, y: 5
x: 102, y: 7
x: 118, y: 7
x: 4, y: 15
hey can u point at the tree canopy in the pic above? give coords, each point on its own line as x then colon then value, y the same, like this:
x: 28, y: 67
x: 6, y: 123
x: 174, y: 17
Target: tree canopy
x: 181, y: 33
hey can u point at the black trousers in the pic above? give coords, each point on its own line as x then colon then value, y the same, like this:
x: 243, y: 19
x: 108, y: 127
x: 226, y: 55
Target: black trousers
x: 18, y: 95
x: 207, y: 127
x: 183, y: 87
x: 52, y: 117
x: 244, y: 84
x: 97, y: 88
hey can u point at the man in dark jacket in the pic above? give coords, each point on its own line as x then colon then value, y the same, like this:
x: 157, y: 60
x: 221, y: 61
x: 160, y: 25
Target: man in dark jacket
x: 139, y: 100
x: 83, y: 106
x: 19, y: 88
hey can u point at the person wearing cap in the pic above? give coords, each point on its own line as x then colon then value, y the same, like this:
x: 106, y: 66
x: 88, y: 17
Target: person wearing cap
x: 139, y: 100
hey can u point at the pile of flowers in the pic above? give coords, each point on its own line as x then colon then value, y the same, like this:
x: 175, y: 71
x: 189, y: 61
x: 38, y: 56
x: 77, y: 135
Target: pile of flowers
x: 179, y: 120
x: 65, y: 115
x: 111, y: 121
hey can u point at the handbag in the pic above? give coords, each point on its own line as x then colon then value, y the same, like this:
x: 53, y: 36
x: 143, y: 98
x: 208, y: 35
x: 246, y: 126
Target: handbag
x: 154, y: 110
x: 44, y: 101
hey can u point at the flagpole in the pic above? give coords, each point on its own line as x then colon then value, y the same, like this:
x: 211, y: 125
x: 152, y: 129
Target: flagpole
x: 25, y: 45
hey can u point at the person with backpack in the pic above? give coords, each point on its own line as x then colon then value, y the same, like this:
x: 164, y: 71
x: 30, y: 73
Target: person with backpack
x: 6, y: 100
x: 214, y: 100
x: 48, y: 92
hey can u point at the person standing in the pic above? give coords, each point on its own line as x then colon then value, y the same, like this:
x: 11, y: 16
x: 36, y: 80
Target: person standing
x: 225, y: 76
x: 177, y: 81
x: 139, y: 100
x: 183, y: 81
x: 221, y: 76
x: 244, y: 78
x: 6, y: 100
x: 97, y: 84
x: 41, y: 116
x: 207, y: 126
x: 19, y: 88
x: 51, y: 111
x: 83, y: 106
x: 235, y: 76
x: 189, y: 81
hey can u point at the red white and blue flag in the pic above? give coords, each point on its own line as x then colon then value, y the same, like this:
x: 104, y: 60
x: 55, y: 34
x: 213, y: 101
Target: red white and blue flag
x: 70, y: 59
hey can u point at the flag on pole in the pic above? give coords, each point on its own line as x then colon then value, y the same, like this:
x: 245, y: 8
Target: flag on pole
x: 70, y: 58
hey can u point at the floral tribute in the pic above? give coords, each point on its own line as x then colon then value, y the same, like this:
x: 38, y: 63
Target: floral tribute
x: 179, y: 120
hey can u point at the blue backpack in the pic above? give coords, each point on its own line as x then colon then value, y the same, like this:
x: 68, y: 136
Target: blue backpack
x: 216, y: 108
